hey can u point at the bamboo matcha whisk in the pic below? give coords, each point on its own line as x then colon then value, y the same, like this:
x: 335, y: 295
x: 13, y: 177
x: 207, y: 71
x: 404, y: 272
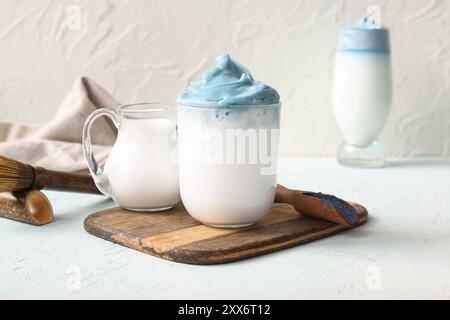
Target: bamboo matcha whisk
x: 17, y: 176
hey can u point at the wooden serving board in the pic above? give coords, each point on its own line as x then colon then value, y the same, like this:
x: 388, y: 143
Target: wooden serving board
x: 175, y: 235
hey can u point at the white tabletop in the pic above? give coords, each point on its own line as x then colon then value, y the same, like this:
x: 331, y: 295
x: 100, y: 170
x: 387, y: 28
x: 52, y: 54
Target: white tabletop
x: 402, y: 252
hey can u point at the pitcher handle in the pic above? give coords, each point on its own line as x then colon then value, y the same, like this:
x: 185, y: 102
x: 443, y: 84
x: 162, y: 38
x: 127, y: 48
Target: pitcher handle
x: 100, y: 179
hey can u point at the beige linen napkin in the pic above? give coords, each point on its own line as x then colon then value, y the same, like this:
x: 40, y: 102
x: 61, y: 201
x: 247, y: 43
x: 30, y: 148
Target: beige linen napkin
x: 57, y: 144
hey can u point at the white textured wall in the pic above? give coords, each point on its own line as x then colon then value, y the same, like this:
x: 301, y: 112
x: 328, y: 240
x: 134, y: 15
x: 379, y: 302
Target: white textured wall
x: 150, y: 50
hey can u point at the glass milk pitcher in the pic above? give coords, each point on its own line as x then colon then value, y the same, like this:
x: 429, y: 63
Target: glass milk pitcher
x: 141, y: 172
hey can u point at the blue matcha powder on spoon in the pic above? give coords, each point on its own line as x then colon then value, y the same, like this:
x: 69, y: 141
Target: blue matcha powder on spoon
x: 228, y: 84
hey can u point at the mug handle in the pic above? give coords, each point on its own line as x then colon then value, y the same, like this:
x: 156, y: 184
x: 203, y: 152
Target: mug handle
x: 100, y: 179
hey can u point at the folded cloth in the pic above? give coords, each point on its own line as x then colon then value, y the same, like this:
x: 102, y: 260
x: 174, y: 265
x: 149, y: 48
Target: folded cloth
x: 57, y: 144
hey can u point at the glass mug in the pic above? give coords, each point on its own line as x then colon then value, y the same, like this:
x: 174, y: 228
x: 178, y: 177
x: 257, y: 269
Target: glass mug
x: 141, y: 173
x: 227, y: 162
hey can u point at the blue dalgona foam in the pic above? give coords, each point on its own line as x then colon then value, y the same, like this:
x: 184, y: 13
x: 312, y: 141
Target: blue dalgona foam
x: 228, y: 83
x: 364, y: 35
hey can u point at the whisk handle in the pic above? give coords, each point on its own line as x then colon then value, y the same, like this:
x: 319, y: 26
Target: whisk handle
x: 63, y: 181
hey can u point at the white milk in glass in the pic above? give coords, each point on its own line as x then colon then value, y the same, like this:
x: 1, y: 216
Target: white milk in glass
x: 228, y: 162
x: 362, y: 94
x: 362, y: 91
x: 140, y: 167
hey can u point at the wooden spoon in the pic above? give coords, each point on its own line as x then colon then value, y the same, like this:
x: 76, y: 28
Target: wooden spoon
x: 318, y: 205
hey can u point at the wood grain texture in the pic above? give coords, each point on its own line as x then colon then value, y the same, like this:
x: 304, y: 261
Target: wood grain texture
x: 318, y: 205
x: 64, y: 181
x: 30, y: 206
x: 174, y: 235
